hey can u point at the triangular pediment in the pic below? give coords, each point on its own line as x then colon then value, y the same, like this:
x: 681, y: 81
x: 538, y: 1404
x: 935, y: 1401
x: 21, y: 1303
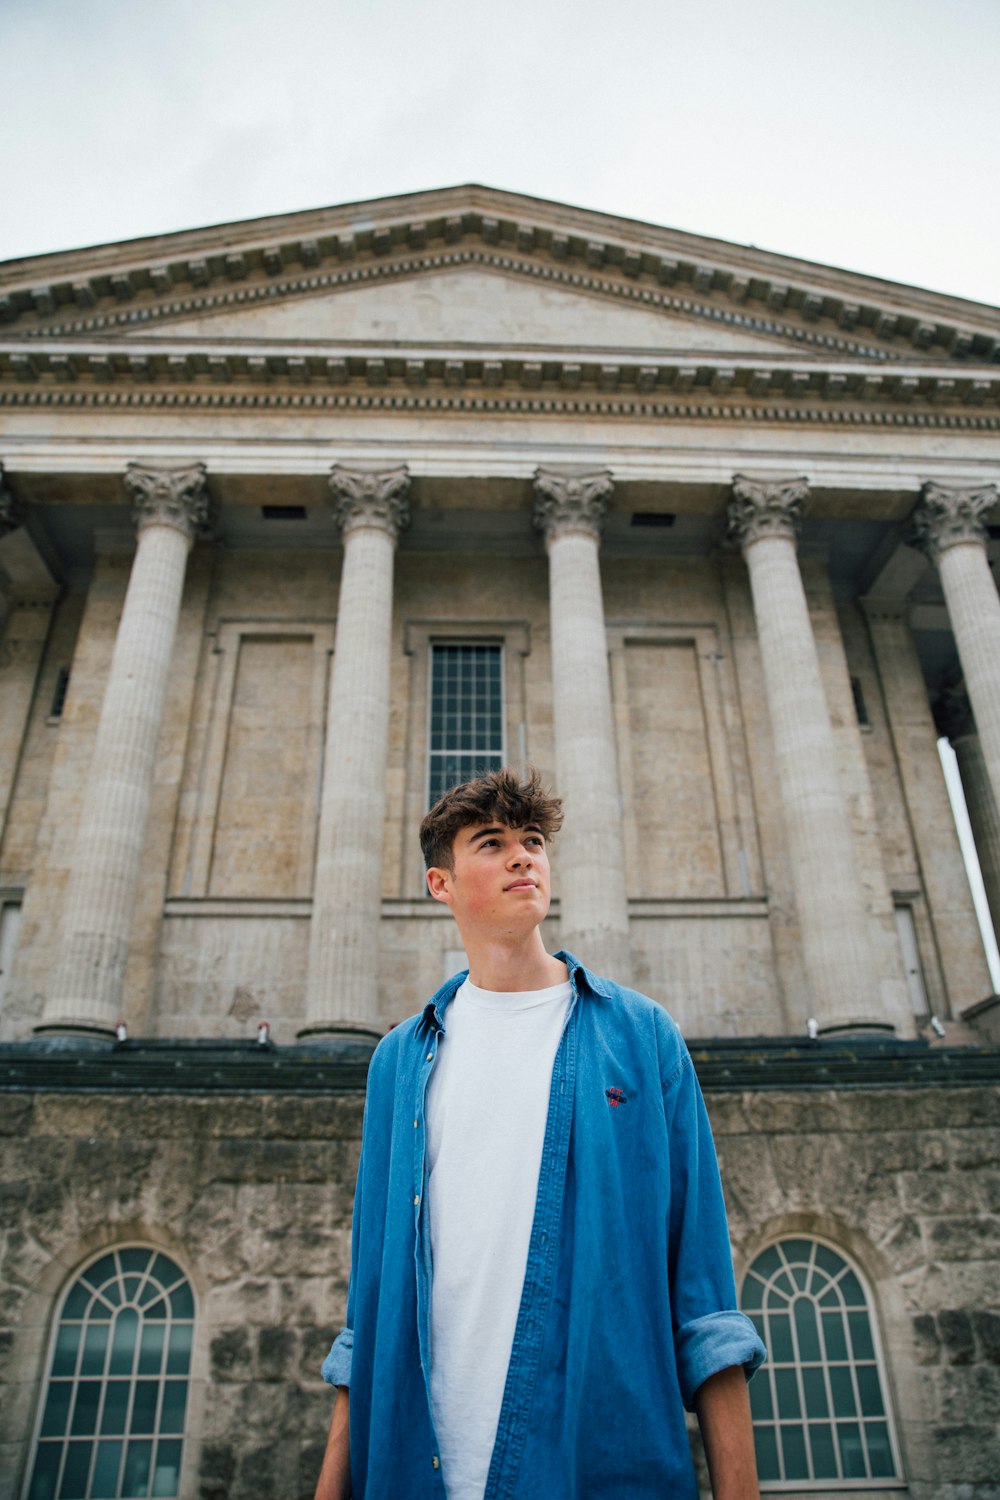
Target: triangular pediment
x: 470, y: 306
x: 554, y: 272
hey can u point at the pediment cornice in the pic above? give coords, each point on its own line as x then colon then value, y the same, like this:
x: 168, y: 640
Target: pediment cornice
x: 206, y: 374
x: 149, y: 283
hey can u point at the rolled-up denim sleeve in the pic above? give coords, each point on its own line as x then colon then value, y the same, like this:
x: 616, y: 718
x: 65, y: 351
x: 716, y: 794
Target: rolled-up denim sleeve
x: 710, y: 1334
x: 337, y: 1365
x: 715, y: 1342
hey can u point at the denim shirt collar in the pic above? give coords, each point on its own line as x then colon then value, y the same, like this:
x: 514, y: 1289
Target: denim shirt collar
x: 582, y: 980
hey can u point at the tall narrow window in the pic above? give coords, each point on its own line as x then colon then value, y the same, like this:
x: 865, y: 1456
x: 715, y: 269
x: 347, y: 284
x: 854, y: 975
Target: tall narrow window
x: 819, y: 1412
x: 466, y: 714
x: 112, y: 1420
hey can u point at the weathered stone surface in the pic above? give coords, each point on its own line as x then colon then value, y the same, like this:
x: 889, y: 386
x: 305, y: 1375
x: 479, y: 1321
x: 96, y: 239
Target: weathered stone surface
x: 262, y: 1221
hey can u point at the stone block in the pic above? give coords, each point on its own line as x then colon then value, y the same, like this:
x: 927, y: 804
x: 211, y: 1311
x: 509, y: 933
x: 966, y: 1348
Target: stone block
x: 957, y: 1340
x: 927, y: 1342
x: 230, y: 1355
x: 986, y: 1326
x: 277, y: 1353
x: 971, y: 1237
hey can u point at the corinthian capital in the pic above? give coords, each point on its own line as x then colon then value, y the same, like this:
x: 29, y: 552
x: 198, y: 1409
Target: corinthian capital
x: 947, y: 515
x: 169, y: 497
x: 371, y: 497
x: 11, y: 514
x: 765, y: 507
x: 953, y: 716
x: 571, y: 499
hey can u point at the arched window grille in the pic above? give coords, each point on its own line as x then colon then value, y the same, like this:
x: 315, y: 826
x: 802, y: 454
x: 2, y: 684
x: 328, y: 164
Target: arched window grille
x: 112, y: 1418
x: 819, y: 1409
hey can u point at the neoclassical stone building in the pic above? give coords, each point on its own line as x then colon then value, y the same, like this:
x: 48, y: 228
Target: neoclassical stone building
x: 304, y: 518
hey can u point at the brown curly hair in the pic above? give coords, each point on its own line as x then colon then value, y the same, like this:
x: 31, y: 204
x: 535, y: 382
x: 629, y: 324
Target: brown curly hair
x: 502, y: 796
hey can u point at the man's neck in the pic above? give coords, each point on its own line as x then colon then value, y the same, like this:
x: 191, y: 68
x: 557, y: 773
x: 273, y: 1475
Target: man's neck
x: 514, y: 966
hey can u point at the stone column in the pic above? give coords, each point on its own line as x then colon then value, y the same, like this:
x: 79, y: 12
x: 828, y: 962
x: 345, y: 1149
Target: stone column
x: 570, y: 505
x: 950, y: 526
x: 763, y: 520
x: 956, y: 720
x: 342, y: 989
x: 171, y: 506
x: 939, y: 855
x: 27, y: 596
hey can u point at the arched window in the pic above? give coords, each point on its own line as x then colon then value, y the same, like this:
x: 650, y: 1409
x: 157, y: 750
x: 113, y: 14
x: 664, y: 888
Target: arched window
x: 112, y: 1418
x: 819, y: 1409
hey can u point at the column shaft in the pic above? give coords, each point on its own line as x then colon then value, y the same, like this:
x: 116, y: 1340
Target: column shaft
x: 87, y: 994
x: 974, y: 609
x: 828, y: 892
x: 949, y: 523
x: 983, y: 816
x: 591, y: 859
x: 914, y: 739
x: 342, y: 991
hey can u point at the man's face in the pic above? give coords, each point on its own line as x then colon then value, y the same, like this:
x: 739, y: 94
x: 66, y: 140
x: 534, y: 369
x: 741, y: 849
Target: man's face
x: 500, y: 883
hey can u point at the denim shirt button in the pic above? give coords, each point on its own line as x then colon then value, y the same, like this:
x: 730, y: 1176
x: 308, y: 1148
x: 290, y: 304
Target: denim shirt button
x: 435, y: 1462
x: 430, y: 1057
x: 416, y: 1199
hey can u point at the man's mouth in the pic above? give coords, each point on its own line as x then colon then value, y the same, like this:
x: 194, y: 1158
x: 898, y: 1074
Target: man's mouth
x: 522, y: 885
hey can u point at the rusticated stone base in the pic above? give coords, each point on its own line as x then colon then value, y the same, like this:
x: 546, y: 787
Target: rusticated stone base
x: 251, y: 1193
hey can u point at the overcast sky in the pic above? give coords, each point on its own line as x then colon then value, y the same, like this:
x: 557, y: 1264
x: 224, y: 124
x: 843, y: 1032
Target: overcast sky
x: 859, y: 133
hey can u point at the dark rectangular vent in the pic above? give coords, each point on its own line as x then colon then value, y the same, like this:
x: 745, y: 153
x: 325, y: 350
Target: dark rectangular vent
x: 653, y: 518
x: 283, y: 512
x: 59, y: 695
x: 860, y: 707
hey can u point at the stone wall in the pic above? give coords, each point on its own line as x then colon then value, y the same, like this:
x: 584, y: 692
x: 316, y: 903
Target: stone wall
x: 251, y: 1195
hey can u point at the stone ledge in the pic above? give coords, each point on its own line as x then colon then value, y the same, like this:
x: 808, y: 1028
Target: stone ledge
x: 341, y: 1067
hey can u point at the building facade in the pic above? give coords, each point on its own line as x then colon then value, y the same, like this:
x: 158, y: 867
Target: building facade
x: 305, y: 518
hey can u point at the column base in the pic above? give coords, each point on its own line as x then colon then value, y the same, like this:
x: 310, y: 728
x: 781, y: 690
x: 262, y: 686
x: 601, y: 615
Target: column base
x: 319, y: 1033
x: 851, y: 1026
x: 74, y: 1030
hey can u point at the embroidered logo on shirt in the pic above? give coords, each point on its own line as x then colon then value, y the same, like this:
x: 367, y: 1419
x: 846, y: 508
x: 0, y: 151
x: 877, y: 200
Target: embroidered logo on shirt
x: 615, y: 1097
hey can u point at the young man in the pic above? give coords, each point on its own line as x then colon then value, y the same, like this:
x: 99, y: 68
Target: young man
x: 541, y: 1272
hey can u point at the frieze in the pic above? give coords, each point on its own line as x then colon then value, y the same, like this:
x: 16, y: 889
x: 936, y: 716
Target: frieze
x: 219, y: 398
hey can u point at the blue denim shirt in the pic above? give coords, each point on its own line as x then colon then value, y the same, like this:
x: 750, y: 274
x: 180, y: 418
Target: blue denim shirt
x: 629, y: 1302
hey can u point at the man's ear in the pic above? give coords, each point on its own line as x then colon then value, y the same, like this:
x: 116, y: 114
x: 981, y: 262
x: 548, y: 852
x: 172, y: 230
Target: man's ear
x: 439, y: 884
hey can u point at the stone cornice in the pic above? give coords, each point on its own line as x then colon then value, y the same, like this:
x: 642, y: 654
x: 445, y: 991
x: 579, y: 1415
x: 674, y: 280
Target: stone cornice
x: 371, y: 497
x: 948, y: 515
x: 571, y: 499
x: 751, y: 295
x: 169, y: 496
x: 224, y: 374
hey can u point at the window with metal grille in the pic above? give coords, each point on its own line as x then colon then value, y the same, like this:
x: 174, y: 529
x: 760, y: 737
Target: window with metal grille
x: 466, y: 714
x: 112, y: 1417
x: 819, y: 1412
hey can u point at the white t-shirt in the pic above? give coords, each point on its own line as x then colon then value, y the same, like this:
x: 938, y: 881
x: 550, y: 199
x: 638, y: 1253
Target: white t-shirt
x: 487, y: 1103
